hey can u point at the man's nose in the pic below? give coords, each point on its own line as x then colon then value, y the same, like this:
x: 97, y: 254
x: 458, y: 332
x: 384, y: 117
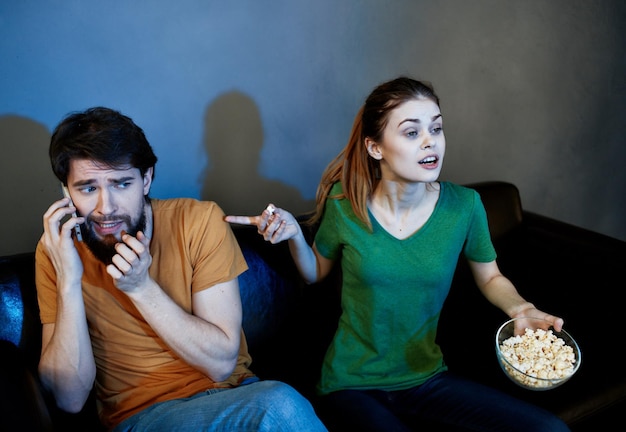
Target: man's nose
x: 106, y: 204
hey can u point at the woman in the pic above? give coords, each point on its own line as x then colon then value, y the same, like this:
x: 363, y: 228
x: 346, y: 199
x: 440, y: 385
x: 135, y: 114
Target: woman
x: 398, y: 232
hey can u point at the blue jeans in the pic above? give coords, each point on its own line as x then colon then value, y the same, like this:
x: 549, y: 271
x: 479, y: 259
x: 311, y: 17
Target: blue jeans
x: 446, y: 402
x: 255, y: 405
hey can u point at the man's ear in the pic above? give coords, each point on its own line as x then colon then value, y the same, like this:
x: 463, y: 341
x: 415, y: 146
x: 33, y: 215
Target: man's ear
x: 373, y: 149
x: 147, y: 180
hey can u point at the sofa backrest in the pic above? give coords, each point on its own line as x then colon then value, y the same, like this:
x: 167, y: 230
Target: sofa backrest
x: 503, y: 205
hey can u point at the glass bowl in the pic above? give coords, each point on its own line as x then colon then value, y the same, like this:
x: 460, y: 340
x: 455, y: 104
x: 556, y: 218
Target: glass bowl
x: 541, y: 359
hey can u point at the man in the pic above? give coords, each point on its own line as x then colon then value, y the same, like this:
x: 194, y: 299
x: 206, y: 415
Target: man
x: 147, y: 305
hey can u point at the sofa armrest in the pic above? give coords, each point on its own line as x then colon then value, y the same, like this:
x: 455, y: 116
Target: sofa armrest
x: 19, y: 310
x: 581, y: 239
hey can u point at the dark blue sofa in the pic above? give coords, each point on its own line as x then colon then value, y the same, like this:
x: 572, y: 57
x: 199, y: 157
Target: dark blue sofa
x: 563, y: 269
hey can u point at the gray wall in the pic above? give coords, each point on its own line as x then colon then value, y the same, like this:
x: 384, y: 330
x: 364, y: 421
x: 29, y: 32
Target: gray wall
x: 246, y: 102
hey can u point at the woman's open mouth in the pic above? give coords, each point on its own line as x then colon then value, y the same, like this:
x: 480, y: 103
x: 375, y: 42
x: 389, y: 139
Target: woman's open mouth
x: 429, y: 162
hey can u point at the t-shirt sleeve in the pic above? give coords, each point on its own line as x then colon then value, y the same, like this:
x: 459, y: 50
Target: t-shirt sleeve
x: 215, y: 252
x: 328, y: 235
x: 479, y: 246
x: 45, y: 281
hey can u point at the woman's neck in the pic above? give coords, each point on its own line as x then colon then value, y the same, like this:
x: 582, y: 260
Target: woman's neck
x: 399, y: 197
x: 402, y: 209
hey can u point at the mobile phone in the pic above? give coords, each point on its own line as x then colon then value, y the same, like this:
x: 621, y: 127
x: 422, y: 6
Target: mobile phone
x: 77, y: 231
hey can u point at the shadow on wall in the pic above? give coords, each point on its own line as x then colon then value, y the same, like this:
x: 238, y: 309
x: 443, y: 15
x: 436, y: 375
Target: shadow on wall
x: 27, y: 185
x: 233, y: 137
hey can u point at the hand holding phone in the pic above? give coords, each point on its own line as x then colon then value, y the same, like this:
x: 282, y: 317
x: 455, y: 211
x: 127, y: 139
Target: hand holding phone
x: 77, y: 231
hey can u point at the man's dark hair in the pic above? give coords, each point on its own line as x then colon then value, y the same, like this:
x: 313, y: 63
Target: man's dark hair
x: 102, y: 135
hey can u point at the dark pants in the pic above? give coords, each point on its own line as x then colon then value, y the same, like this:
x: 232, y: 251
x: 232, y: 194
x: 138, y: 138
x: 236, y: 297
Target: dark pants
x: 446, y: 402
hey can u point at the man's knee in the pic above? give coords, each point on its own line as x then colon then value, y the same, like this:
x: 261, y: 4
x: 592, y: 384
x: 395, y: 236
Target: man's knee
x: 286, y: 406
x: 280, y: 391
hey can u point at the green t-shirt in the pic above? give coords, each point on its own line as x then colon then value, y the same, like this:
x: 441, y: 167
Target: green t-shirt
x: 393, y: 290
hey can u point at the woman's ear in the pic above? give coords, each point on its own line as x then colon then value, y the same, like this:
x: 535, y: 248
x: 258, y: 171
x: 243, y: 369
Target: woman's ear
x: 373, y: 149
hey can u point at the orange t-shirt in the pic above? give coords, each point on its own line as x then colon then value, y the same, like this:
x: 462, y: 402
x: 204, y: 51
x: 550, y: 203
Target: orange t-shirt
x: 192, y: 249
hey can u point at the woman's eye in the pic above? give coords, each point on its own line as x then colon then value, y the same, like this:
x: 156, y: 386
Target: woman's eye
x: 437, y: 130
x: 411, y: 134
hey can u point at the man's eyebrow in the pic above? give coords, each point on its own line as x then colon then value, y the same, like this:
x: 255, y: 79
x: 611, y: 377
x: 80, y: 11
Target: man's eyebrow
x: 411, y: 120
x: 88, y: 182
x: 81, y: 183
x: 122, y: 179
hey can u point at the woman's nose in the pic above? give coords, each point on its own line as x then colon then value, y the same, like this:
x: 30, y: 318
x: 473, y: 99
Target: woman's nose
x: 429, y: 142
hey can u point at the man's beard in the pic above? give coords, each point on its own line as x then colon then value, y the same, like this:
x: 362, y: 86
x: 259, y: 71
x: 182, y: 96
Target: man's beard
x: 104, y: 249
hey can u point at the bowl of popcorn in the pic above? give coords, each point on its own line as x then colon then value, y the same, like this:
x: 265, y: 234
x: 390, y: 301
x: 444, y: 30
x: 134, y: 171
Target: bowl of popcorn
x: 540, y: 358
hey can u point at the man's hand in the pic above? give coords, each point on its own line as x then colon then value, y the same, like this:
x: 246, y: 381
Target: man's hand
x: 130, y: 265
x: 58, y: 243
